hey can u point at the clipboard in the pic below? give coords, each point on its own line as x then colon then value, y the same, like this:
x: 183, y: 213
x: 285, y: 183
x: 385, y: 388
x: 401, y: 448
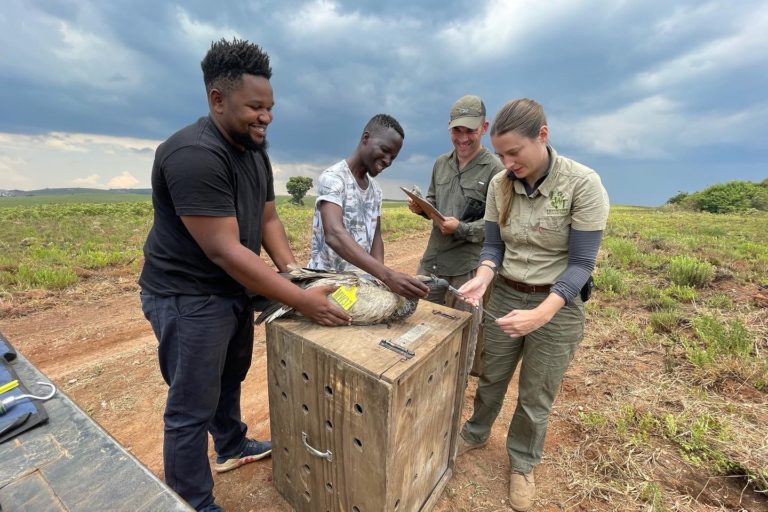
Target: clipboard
x: 425, y: 205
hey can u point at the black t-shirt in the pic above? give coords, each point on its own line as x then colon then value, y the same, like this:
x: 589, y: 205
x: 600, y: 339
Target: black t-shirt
x: 197, y: 172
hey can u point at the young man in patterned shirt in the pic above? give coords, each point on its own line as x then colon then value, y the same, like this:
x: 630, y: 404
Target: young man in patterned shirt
x: 346, y: 229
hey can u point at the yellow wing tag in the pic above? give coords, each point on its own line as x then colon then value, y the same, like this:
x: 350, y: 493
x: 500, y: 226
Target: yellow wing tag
x: 345, y: 297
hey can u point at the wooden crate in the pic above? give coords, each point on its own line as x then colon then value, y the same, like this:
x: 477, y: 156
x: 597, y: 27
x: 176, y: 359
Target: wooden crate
x: 357, y: 427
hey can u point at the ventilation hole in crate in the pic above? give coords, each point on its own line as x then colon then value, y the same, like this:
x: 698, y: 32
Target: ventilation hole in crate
x: 358, y: 409
x: 305, y: 376
x: 456, y: 355
x: 288, y: 477
x: 445, y: 364
x: 285, y: 397
x: 397, y: 504
x: 328, y: 425
x: 409, y: 402
x: 358, y: 443
x: 432, y: 454
x: 430, y: 379
x: 285, y: 450
x: 329, y: 390
x: 329, y: 487
x: 306, y: 468
x: 282, y: 363
x: 305, y: 408
x: 307, y: 496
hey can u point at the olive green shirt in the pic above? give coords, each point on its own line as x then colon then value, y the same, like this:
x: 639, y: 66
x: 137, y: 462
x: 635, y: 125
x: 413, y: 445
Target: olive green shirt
x: 449, y: 189
x: 536, y: 237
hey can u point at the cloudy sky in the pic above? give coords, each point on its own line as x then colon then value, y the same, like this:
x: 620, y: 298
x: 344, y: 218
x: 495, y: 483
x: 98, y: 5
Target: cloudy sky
x: 656, y: 96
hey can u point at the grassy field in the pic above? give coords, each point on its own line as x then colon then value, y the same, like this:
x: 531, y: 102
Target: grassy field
x: 49, y: 242
x: 680, y: 309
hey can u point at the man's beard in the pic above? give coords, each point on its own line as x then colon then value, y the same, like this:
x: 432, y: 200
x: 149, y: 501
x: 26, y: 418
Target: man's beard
x: 247, y: 142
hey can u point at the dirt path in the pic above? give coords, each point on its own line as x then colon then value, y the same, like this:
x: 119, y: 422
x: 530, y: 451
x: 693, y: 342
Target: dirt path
x: 97, y: 347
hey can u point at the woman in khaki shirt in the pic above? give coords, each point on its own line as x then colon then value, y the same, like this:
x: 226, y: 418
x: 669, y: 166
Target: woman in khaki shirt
x: 544, y: 222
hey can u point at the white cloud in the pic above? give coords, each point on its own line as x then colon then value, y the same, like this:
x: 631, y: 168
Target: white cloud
x: 502, y: 27
x: 92, y: 181
x: 65, y: 159
x: 201, y: 33
x: 283, y: 171
x: 656, y: 127
x: 719, y: 57
x: 124, y: 180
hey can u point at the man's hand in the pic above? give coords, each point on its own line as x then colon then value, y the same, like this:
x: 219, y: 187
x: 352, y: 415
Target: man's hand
x: 447, y: 226
x: 405, y: 285
x: 319, y: 309
x: 415, y: 208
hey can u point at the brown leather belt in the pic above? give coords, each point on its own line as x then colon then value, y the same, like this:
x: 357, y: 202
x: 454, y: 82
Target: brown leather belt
x: 527, y: 288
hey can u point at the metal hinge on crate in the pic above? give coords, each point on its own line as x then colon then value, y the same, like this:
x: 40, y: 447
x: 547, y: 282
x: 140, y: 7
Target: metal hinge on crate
x: 394, y: 347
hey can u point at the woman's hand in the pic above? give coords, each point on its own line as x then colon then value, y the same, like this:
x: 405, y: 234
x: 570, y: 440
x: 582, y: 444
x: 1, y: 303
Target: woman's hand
x: 473, y: 290
x: 520, y: 322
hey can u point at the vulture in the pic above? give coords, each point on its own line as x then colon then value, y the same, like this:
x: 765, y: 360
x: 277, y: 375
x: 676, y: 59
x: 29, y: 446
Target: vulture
x: 367, y: 299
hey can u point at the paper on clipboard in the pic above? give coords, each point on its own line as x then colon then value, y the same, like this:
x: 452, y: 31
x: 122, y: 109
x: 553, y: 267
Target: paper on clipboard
x: 425, y: 205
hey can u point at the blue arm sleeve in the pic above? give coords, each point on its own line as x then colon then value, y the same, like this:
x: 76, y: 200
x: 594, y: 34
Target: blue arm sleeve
x: 493, y: 247
x: 582, y: 254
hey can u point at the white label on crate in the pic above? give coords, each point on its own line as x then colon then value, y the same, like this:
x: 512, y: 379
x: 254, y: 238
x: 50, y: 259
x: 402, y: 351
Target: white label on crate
x: 411, y: 335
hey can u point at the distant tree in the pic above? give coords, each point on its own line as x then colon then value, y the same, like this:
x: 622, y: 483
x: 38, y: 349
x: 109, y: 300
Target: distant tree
x: 298, y: 186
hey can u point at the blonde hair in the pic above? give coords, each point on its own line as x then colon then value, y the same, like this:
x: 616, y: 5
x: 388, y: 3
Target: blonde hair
x: 525, y: 117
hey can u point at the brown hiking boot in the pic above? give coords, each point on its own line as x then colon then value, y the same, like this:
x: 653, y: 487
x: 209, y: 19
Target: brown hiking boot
x: 522, y: 490
x: 465, y: 446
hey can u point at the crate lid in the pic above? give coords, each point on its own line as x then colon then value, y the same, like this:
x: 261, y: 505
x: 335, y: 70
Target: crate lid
x: 386, y: 351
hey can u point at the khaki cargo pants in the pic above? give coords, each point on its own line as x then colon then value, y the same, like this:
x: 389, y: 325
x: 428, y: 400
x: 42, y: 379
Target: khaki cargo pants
x: 545, y: 354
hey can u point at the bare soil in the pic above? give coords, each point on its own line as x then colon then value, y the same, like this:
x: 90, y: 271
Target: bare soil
x: 94, y: 343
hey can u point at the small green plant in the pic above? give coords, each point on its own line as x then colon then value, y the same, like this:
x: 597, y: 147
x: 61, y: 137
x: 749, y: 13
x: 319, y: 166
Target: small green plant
x: 720, y: 301
x: 732, y: 338
x: 652, y: 495
x: 622, y: 253
x: 687, y: 271
x: 682, y: 293
x: 663, y: 321
x: 593, y: 419
x: 609, y: 279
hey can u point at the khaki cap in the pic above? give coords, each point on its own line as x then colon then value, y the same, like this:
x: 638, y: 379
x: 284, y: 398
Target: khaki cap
x: 468, y: 111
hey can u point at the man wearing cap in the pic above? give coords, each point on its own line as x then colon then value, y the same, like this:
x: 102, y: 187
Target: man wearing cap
x: 458, y: 189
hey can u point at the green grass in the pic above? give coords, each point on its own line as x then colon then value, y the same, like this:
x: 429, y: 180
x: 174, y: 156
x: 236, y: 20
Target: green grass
x: 91, y: 197
x: 54, y: 245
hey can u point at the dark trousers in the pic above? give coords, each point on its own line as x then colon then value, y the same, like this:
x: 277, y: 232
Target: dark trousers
x: 205, y: 349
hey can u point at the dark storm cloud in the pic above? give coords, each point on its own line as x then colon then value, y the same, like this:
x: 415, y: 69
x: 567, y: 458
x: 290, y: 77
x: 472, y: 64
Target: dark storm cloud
x: 638, y: 90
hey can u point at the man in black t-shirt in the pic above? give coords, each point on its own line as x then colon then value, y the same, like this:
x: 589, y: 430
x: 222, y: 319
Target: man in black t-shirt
x: 214, y: 209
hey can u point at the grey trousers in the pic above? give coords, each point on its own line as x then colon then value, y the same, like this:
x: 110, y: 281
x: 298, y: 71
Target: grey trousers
x: 545, y: 354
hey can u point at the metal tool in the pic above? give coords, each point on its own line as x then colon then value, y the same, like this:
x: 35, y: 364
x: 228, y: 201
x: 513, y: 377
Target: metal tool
x: 9, y: 402
x: 463, y: 297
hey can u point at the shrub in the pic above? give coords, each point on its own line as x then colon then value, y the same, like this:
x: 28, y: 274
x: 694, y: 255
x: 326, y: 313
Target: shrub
x: 663, y: 321
x: 724, y: 339
x: 731, y: 197
x: 609, y: 279
x: 687, y: 271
